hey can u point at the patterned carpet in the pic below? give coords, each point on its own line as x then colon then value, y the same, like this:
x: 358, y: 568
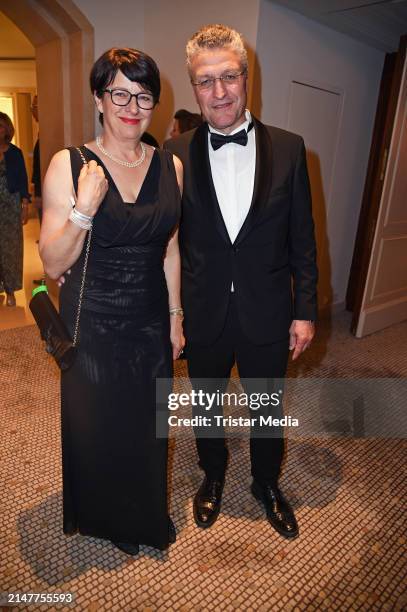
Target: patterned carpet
x: 348, y: 494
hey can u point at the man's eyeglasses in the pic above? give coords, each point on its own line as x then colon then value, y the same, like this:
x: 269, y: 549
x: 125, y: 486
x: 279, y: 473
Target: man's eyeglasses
x: 122, y: 97
x: 230, y: 78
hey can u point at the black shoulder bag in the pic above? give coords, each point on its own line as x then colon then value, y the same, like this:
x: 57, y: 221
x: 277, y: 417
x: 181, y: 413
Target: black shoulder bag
x: 53, y: 330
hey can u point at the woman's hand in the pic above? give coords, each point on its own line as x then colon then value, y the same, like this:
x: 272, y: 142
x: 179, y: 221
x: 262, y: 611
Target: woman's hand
x: 24, y: 211
x: 92, y: 188
x: 176, y: 336
x: 61, y: 241
x: 61, y: 279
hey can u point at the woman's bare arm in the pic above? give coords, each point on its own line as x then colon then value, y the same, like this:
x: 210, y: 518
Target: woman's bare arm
x: 172, y: 270
x: 61, y: 241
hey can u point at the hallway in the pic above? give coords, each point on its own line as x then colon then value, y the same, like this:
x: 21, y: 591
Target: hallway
x: 20, y: 315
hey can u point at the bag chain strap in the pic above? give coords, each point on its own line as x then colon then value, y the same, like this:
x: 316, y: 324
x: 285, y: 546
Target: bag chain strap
x: 85, y: 265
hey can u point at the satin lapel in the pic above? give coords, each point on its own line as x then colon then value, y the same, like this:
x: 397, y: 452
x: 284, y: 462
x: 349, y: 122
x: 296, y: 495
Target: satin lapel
x: 262, y: 178
x: 201, y: 171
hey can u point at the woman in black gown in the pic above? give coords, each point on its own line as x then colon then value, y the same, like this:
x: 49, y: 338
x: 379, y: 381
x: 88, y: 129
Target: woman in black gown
x: 114, y: 466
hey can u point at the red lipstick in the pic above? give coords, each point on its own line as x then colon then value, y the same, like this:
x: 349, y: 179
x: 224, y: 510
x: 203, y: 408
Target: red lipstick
x: 129, y: 121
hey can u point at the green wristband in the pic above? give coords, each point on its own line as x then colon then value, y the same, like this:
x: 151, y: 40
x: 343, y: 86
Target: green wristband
x: 39, y: 289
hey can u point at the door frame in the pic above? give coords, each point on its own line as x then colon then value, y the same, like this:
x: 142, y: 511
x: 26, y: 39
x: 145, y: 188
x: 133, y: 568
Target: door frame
x: 64, y: 46
x: 381, y: 140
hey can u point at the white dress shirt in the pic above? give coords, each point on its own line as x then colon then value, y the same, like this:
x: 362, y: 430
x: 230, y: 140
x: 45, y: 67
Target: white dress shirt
x: 233, y: 167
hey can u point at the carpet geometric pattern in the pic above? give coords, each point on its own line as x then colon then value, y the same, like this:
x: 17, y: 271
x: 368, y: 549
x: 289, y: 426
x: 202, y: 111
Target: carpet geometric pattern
x: 348, y: 495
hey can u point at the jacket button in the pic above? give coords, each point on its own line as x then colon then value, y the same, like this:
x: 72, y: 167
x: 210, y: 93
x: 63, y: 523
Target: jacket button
x: 236, y: 250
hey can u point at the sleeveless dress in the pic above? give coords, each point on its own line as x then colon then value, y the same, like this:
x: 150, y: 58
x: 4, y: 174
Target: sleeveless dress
x: 114, y: 466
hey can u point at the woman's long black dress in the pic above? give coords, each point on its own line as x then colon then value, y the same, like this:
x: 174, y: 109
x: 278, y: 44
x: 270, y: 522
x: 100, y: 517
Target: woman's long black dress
x: 114, y: 466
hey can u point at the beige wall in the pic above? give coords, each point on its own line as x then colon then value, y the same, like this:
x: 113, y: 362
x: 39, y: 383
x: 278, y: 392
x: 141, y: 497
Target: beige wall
x: 15, y: 74
x: 123, y: 27
x: 25, y: 128
x: 13, y: 43
x: 287, y: 46
x: 63, y: 41
x: 168, y: 25
x: 161, y: 28
x: 118, y: 24
x: 284, y: 46
x: 291, y: 47
x: 18, y: 78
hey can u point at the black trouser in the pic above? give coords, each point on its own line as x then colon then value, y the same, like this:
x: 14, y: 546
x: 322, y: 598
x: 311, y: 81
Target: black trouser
x: 209, y: 368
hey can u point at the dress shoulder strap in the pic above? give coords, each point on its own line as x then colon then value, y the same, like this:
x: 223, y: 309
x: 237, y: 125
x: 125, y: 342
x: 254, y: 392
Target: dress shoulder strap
x: 167, y: 162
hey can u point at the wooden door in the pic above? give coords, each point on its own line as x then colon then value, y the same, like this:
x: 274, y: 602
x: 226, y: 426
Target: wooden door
x: 381, y: 285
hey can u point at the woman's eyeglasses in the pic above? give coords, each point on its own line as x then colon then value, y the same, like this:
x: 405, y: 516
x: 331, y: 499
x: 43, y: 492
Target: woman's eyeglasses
x: 122, y: 97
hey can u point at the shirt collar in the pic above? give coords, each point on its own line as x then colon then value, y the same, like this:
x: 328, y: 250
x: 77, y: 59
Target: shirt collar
x: 242, y: 126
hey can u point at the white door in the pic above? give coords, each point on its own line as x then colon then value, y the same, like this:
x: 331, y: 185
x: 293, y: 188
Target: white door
x: 385, y: 296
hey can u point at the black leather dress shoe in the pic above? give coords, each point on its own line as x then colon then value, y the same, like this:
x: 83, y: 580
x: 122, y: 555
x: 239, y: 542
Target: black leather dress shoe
x: 278, y: 510
x: 207, y: 502
x: 126, y: 547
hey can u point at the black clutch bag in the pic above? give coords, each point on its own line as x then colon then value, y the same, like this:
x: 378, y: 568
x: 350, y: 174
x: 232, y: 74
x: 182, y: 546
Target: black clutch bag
x: 53, y: 330
x: 58, y: 341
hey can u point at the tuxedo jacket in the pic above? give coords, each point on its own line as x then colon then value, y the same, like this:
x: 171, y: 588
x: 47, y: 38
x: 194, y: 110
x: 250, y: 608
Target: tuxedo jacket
x: 272, y: 262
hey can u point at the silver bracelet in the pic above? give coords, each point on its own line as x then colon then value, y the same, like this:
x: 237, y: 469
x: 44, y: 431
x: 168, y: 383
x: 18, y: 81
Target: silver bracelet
x: 81, y: 220
x: 176, y: 312
x: 82, y: 215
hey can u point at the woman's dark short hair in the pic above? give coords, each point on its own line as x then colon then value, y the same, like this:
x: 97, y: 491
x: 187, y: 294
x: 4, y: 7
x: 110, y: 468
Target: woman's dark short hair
x: 9, y: 127
x: 135, y: 65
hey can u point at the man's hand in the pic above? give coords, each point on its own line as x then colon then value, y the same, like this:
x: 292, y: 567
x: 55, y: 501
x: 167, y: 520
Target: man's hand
x: 301, y: 334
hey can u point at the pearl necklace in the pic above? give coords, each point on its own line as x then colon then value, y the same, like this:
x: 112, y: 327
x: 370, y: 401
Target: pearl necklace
x: 120, y: 161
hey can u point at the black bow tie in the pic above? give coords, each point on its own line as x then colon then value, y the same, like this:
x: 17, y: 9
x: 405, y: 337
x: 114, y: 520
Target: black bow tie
x: 218, y: 140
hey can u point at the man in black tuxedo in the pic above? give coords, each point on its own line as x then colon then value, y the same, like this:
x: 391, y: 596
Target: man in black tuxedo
x: 248, y: 258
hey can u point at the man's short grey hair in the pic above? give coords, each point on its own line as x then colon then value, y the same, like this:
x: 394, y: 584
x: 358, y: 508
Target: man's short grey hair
x: 216, y: 36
